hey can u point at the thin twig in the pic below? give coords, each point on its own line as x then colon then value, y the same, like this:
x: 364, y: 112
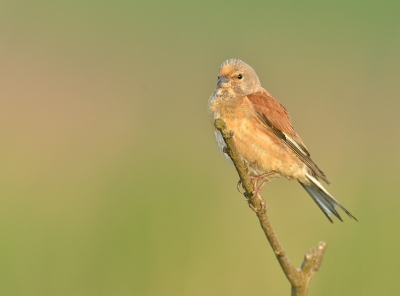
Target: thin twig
x: 298, y: 278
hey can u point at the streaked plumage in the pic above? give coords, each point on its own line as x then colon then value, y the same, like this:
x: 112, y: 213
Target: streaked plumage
x: 263, y: 134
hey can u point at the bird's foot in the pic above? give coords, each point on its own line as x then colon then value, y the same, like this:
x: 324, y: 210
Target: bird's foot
x: 263, y: 205
x: 256, y: 191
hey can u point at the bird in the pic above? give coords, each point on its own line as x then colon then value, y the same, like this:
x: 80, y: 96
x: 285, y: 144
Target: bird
x: 264, y: 135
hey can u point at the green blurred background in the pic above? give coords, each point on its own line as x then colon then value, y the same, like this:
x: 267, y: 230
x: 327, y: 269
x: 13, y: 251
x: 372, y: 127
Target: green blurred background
x: 111, y: 183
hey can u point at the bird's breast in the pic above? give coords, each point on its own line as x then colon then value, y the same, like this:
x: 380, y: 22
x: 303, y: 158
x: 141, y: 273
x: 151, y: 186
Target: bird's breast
x: 262, y: 150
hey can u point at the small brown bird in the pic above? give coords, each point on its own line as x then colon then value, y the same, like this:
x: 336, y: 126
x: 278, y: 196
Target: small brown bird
x: 263, y: 134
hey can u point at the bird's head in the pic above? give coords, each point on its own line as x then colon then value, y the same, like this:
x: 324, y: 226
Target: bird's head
x: 237, y: 78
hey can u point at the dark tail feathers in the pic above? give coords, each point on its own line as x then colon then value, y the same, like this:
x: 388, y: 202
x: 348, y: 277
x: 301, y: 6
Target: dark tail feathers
x: 326, y: 202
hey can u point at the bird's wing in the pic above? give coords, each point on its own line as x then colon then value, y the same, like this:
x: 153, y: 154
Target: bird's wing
x: 274, y: 117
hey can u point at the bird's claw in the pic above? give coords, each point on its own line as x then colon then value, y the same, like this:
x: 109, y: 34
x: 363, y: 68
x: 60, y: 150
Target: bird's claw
x: 238, y: 186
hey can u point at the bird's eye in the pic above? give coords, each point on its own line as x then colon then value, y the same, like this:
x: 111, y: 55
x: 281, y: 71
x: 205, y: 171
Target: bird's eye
x: 240, y: 76
x: 218, y: 77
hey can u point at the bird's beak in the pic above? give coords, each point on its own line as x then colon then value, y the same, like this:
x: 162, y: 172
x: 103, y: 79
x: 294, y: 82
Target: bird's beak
x: 223, y: 82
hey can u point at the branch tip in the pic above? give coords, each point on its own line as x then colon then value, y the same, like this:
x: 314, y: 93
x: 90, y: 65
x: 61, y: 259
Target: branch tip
x: 221, y: 126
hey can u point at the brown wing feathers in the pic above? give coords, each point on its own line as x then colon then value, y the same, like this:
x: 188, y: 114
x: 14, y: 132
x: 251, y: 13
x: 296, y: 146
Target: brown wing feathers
x: 275, y: 118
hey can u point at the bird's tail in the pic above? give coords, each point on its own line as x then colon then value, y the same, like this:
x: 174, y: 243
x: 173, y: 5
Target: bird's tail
x: 326, y: 202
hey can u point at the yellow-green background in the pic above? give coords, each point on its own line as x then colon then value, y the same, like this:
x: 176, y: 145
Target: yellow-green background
x: 111, y: 183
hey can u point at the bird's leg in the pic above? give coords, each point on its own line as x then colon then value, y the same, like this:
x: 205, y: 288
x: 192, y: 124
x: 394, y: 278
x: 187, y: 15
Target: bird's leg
x: 257, y: 190
x: 255, y: 180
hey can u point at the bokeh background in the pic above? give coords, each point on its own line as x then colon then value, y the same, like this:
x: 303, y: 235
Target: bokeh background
x: 111, y: 183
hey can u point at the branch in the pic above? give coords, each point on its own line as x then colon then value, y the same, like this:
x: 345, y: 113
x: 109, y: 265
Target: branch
x: 298, y: 278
